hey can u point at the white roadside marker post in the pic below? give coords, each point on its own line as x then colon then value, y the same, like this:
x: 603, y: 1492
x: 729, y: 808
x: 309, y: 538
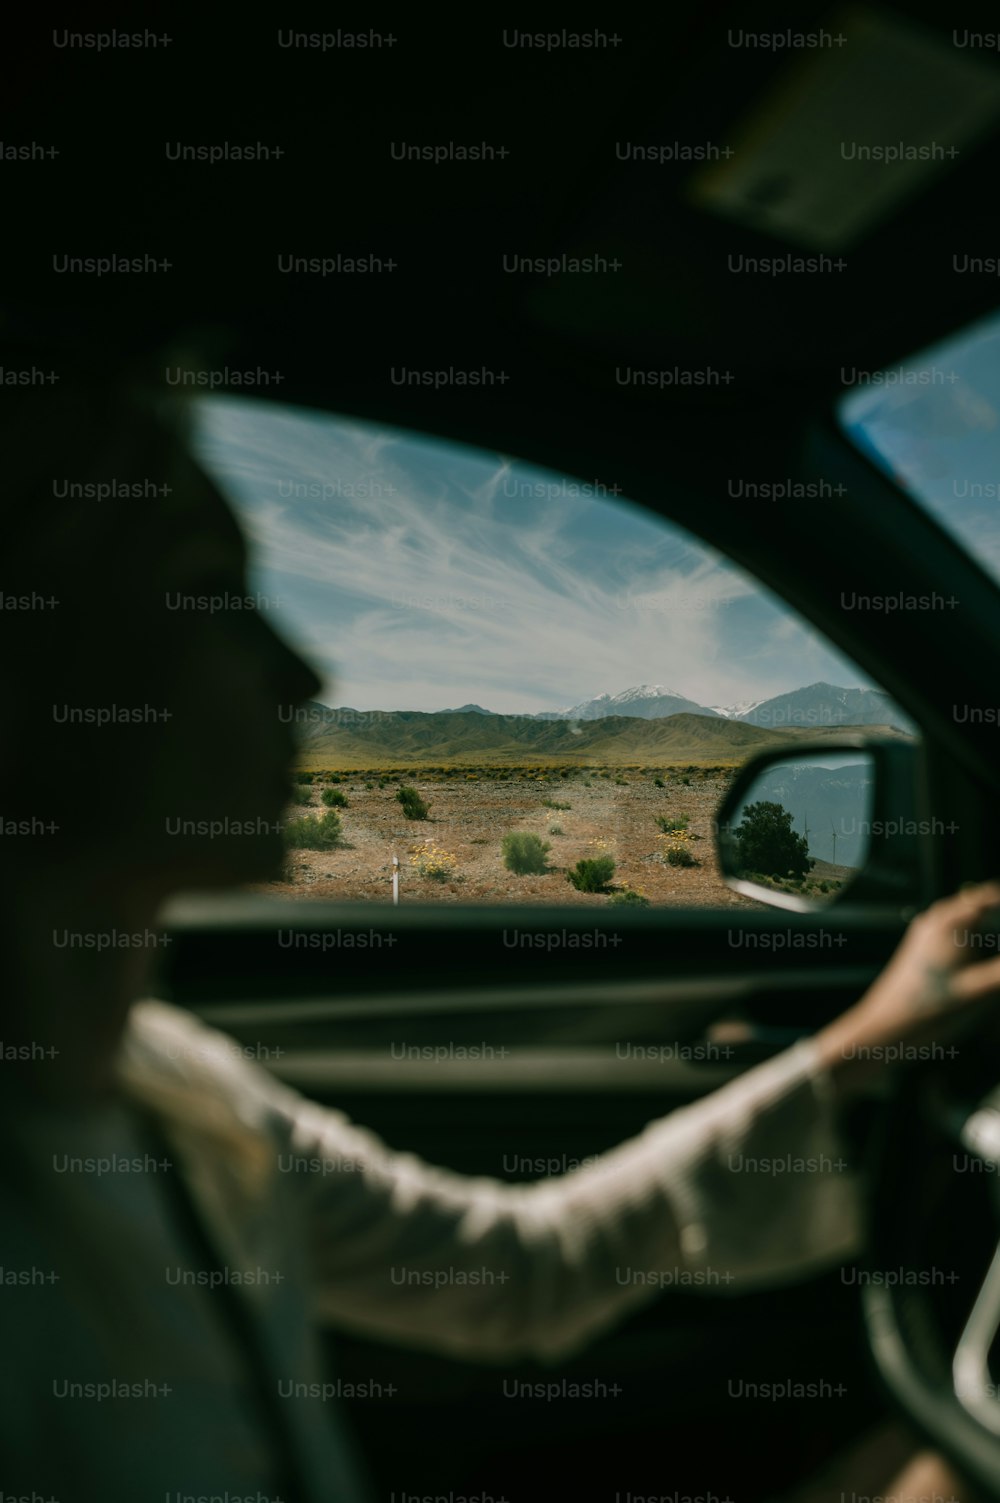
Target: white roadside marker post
x: 395, y: 879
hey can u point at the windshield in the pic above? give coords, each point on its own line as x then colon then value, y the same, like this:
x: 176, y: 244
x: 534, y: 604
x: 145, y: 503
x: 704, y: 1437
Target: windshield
x: 933, y: 425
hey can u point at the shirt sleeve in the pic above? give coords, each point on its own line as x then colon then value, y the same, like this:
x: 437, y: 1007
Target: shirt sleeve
x: 746, y: 1188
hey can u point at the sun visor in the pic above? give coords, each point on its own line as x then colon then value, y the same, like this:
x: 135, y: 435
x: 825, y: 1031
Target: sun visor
x: 865, y: 112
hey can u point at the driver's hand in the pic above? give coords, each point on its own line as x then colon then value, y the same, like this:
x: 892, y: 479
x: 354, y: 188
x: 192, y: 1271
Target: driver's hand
x: 935, y: 985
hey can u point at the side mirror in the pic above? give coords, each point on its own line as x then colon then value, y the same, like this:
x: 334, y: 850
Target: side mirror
x: 837, y: 818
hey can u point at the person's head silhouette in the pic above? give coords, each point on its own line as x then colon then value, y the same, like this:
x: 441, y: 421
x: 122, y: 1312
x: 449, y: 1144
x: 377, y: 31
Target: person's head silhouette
x: 147, y: 744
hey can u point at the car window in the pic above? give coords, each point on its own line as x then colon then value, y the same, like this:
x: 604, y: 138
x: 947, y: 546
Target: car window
x: 533, y: 690
x: 933, y: 425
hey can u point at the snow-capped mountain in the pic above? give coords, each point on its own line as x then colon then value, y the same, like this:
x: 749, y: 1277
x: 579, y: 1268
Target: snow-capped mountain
x: 645, y: 701
x: 737, y: 711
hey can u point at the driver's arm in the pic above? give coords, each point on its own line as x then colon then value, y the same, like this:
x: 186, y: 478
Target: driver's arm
x: 746, y: 1187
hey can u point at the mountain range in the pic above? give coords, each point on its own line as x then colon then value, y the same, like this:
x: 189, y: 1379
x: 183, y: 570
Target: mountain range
x: 816, y: 705
x: 641, y: 724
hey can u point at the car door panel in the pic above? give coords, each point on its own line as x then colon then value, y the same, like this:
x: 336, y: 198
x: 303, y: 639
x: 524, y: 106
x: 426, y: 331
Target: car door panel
x: 526, y: 1069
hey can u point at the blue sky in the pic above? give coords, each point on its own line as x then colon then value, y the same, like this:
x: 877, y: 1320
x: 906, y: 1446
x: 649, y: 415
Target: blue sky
x: 419, y: 574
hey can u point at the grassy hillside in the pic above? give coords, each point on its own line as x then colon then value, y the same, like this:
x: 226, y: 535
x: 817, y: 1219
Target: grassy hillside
x: 411, y: 738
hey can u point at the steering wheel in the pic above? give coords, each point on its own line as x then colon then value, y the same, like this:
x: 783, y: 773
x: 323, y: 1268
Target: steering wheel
x: 931, y: 1290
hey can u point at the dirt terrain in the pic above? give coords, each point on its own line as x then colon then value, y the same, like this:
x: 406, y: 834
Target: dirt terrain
x: 469, y: 815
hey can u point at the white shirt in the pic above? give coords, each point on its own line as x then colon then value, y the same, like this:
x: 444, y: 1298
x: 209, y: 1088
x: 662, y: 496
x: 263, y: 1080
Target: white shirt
x: 202, y: 1261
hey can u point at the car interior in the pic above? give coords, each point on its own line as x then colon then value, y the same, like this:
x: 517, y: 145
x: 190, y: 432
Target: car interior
x: 823, y: 505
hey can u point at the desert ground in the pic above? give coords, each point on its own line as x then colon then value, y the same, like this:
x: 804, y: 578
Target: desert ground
x: 470, y: 811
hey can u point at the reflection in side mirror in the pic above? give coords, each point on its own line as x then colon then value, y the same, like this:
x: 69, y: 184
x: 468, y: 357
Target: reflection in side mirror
x: 799, y: 830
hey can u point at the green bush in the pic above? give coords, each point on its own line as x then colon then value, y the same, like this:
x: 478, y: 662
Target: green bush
x: 592, y: 874
x: 628, y: 898
x: 303, y: 777
x: 333, y: 798
x: 335, y: 777
x: 679, y: 855
x: 658, y: 783
x: 308, y: 834
x: 767, y: 843
x: 556, y: 830
x: 524, y: 854
x: 671, y: 826
x: 301, y: 794
x: 413, y: 805
x: 553, y: 803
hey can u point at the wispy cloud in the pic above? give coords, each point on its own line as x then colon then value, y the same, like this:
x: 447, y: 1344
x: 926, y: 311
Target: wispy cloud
x: 419, y: 574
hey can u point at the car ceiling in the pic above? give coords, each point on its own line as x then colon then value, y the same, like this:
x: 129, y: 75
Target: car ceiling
x: 449, y: 303
x: 563, y: 190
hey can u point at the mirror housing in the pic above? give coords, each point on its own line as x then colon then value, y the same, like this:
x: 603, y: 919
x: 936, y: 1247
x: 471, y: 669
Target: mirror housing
x: 896, y: 868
